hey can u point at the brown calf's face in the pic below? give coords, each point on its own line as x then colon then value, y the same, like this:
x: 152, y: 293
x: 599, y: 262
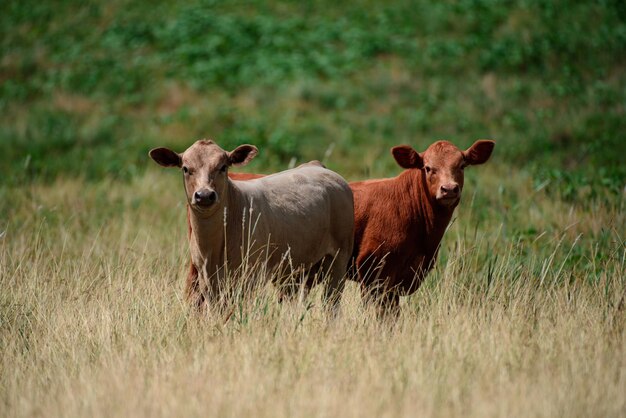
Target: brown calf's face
x: 205, y: 169
x: 442, y: 165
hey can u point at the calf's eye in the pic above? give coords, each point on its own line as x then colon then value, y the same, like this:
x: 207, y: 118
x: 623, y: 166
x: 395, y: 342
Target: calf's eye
x: 223, y: 169
x: 427, y: 168
x: 185, y: 169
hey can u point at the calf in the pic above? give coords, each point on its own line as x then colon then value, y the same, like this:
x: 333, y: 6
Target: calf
x: 304, y: 215
x: 399, y: 222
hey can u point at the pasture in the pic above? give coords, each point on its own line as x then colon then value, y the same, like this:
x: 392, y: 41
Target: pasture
x: 524, y: 313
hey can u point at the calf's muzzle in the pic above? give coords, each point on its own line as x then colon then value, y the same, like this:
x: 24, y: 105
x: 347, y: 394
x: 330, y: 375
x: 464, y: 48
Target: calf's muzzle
x: 204, y: 198
x: 450, y: 190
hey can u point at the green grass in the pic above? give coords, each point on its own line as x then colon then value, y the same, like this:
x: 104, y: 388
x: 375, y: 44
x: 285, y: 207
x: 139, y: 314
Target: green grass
x: 524, y: 312
x: 100, y: 83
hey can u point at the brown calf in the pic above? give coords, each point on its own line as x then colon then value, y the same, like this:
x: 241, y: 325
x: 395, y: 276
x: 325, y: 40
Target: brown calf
x: 399, y: 222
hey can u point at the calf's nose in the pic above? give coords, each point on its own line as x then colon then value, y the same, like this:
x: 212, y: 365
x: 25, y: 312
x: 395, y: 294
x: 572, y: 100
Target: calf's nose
x: 205, y: 197
x: 450, y: 189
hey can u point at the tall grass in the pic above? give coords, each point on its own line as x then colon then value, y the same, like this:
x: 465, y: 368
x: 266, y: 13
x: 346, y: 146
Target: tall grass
x: 92, y: 322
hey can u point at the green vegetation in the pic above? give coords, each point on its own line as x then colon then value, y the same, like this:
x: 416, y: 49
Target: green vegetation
x: 524, y: 313
x: 99, y: 83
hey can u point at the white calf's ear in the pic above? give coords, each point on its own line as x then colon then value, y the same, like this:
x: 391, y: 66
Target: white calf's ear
x: 480, y: 152
x: 242, y: 155
x: 166, y: 157
x: 407, y: 157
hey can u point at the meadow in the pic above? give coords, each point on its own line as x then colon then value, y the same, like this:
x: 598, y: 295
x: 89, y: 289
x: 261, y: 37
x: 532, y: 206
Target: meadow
x: 524, y: 313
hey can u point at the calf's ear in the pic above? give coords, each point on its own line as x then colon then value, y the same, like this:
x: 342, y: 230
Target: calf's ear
x: 407, y: 157
x: 242, y: 155
x: 166, y: 157
x: 480, y: 152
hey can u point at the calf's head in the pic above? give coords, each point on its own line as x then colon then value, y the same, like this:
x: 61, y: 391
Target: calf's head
x: 442, y: 166
x: 205, y: 170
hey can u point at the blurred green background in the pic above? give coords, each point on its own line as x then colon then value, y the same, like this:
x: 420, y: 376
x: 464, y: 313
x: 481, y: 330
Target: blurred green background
x: 88, y: 87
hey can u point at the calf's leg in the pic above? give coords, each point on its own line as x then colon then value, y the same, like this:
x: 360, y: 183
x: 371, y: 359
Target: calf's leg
x: 334, y: 267
x: 193, y: 290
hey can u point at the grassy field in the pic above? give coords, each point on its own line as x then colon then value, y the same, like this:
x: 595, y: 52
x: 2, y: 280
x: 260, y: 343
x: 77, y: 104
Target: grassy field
x: 524, y: 314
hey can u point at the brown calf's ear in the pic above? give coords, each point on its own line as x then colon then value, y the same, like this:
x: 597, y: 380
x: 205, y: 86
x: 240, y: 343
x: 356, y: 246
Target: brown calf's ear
x: 242, y: 155
x: 480, y: 152
x: 407, y: 157
x: 166, y: 157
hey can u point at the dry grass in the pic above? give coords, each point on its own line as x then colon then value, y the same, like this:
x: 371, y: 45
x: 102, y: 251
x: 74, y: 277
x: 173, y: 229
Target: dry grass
x: 92, y: 323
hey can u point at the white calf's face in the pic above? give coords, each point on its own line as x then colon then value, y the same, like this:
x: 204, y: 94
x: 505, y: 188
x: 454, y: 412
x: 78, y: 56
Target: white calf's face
x: 205, y: 171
